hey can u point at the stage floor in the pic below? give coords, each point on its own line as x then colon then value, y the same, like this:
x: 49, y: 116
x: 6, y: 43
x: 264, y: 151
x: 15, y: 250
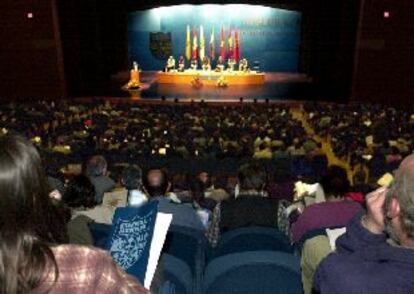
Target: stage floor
x: 277, y: 86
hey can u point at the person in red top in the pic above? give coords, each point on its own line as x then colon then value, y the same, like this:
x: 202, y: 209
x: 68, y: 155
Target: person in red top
x: 336, y: 211
x: 31, y: 231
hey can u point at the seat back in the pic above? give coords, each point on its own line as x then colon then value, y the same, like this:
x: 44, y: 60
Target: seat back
x: 100, y: 234
x: 253, y: 272
x: 175, y: 275
x: 189, y: 245
x: 252, y: 239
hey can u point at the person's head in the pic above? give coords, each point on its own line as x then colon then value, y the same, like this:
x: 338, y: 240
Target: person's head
x: 96, y: 166
x: 80, y: 192
x: 132, y: 178
x: 399, y: 208
x: 360, y: 177
x: 197, y: 188
x: 251, y: 178
x: 28, y: 220
x: 156, y: 182
x: 205, y: 178
x: 335, y: 183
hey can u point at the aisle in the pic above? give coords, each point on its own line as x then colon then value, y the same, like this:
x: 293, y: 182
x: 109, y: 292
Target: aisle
x: 299, y: 114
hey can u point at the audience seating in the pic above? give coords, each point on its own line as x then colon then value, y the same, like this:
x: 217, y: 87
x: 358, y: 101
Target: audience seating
x: 175, y: 276
x: 189, y: 245
x: 100, y: 234
x: 253, y: 272
x: 252, y: 239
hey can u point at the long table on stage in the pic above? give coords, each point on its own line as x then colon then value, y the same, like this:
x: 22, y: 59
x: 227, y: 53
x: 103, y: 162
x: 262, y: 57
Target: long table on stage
x: 211, y: 77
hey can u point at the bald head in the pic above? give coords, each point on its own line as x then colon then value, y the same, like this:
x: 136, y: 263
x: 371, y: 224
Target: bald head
x: 406, y: 164
x: 156, y: 182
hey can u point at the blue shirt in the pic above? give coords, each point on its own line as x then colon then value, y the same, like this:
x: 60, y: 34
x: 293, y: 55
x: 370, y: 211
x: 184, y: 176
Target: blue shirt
x: 366, y: 263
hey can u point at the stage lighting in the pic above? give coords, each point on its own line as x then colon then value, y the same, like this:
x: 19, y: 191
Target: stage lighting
x: 387, y: 14
x: 30, y: 15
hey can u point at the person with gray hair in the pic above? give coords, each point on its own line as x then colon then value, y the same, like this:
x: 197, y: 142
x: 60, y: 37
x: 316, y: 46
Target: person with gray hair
x: 377, y: 252
x: 96, y: 170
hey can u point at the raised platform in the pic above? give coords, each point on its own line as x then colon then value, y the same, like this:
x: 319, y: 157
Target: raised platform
x: 210, y: 78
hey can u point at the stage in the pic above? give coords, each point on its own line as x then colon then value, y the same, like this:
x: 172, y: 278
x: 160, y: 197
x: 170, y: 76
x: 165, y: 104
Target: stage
x: 211, y: 78
x: 278, y: 86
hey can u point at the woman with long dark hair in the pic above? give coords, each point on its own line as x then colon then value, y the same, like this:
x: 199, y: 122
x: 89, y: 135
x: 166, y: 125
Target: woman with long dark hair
x: 31, y: 229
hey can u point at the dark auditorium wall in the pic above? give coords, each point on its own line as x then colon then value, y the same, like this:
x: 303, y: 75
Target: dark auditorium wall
x: 94, y: 43
x: 384, y: 70
x: 31, y: 62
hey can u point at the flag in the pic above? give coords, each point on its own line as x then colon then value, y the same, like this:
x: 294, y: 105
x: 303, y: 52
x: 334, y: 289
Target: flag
x: 188, y: 44
x: 230, y: 44
x: 212, y: 45
x: 195, y: 44
x: 222, y: 47
x: 202, y: 44
x: 236, y: 46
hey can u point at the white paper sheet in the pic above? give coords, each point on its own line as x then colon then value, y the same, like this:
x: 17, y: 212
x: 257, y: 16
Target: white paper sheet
x: 162, y: 223
x: 333, y: 235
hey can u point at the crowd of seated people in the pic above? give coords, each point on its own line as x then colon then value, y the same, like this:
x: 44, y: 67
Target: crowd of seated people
x: 334, y: 235
x: 262, y: 131
x: 361, y: 132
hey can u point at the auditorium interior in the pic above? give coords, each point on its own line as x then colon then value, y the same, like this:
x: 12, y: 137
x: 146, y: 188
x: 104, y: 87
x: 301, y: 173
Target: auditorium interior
x: 206, y: 146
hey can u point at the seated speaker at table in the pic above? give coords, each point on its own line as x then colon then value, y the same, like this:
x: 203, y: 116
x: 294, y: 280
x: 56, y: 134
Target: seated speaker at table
x: 206, y: 64
x: 231, y: 64
x: 244, y: 65
x: 194, y: 64
x: 181, y: 64
x: 220, y: 65
x: 170, y: 64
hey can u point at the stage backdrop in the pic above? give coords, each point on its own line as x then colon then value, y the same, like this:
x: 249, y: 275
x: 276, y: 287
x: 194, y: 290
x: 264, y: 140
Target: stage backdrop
x: 268, y: 35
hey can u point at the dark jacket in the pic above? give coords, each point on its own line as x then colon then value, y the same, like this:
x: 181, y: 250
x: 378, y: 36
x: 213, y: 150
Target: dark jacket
x: 247, y: 211
x: 366, y: 263
x: 183, y: 214
x: 102, y: 184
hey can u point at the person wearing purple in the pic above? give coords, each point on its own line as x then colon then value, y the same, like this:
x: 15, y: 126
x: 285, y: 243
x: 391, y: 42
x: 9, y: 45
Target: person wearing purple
x: 336, y: 211
x: 376, y: 254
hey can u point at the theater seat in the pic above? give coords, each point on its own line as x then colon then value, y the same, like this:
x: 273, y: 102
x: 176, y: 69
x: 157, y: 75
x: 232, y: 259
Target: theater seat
x: 252, y: 239
x: 253, y: 272
x: 100, y: 234
x: 175, y: 276
x: 189, y: 245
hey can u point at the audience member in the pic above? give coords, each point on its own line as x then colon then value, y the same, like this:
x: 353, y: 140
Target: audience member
x: 157, y: 185
x: 336, y: 211
x: 31, y: 233
x: 96, y: 170
x: 376, y: 253
x: 251, y: 207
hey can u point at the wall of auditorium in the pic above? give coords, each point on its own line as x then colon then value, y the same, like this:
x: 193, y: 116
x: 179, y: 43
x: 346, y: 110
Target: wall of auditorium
x: 268, y: 35
x: 384, y: 62
x: 31, y: 60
